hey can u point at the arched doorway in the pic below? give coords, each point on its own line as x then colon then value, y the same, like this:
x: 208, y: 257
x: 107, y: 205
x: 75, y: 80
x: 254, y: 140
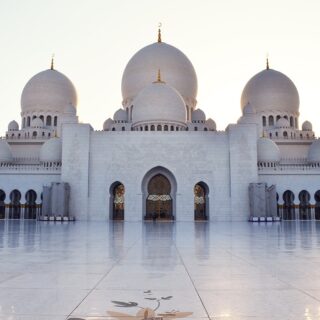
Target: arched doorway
x: 15, y: 205
x: 288, y: 206
x: 304, y: 206
x: 201, y: 191
x: 2, y: 204
x: 30, y: 206
x: 317, y: 205
x: 117, y: 192
x: 159, y: 201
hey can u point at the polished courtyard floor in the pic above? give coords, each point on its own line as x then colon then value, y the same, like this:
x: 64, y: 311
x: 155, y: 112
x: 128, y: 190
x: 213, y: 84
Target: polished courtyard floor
x: 149, y: 270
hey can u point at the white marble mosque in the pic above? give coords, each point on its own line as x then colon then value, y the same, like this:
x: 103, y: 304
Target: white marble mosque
x: 159, y: 156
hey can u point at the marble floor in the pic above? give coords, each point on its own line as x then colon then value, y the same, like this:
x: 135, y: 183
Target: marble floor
x: 137, y: 270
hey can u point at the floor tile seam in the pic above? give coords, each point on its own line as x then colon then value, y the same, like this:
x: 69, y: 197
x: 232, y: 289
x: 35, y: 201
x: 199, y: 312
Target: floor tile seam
x: 103, y: 277
x: 193, y: 284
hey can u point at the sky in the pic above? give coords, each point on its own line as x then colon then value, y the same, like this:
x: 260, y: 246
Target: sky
x: 227, y: 42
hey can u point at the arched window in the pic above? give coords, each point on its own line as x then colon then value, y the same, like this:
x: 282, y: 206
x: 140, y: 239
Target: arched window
x: 117, y: 193
x: 201, y: 207
x: 113, y: 129
x: 317, y: 205
x: 146, y: 128
x: 42, y: 118
x: 205, y: 129
x: 15, y: 205
x: 278, y: 117
x: 195, y: 128
x: 171, y: 128
x: 30, y: 206
x: 285, y: 134
x: 28, y: 122
x: 264, y: 121
x: 165, y: 127
x: 55, y: 121
x: 2, y: 204
x: 152, y: 128
x: 177, y: 128
x: 291, y: 122
x: 141, y: 128
x: 34, y: 134
x: 159, y: 128
x: 304, y: 206
x: 48, y: 122
x: 286, y: 117
x: 271, y: 121
x: 288, y: 206
x: 123, y: 128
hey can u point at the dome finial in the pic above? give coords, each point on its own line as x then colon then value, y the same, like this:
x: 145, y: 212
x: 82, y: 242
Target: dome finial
x: 52, y: 62
x: 159, y: 77
x: 267, y: 61
x: 159, y: 32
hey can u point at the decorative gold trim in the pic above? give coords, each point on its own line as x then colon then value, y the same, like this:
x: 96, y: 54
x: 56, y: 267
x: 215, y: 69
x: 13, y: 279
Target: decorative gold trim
x: 52, y: 62
x: 159, y: 32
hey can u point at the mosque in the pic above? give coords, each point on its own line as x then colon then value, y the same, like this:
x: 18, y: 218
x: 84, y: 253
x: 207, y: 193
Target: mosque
x: 159, y: 157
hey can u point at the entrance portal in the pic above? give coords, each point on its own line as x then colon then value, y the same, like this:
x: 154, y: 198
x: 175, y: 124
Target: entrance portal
x: 159, y: 201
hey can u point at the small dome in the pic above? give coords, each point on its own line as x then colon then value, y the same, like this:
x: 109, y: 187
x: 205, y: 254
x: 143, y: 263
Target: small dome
x: 271, y: 90
x: 307, y: 126
x: 158, y: 102
x: 248, y: 109
x: 120, y: 115
x: 36, y: 123
x: 176, y: 68
x: 282, y: 123
x: 13, y: 126
x: 51, y: 151
x: 5, y: 152
x: 268, y: 151
x: 49, y: 91
x: 107, y: 124
x: 314, y: 152
x: 198, y: 115
x: 211, y: 125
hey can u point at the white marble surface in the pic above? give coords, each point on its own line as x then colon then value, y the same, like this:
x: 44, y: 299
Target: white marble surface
x: 202, y: 270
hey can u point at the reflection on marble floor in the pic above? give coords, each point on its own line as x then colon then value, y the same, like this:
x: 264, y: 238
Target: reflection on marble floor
x: 165, y: 270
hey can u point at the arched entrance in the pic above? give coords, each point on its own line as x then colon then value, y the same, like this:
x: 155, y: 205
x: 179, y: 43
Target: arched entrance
x: 201, y: 191
x: 117, y: 192
x: 288, y: 206
x: 2, y: 204
x: 30, y: 206
x: 317, y: 205
x: 15, y: 205
x: 159, y: 201
x: 304, y: 206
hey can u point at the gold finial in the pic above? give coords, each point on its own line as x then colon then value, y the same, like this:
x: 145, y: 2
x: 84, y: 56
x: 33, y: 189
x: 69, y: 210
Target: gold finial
x: 159, y: 32
x: 52, y: 62
x: 267, y: 61
x: 159, y: 77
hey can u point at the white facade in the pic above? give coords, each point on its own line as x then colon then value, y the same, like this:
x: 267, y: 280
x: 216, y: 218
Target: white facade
x: 160, y: 157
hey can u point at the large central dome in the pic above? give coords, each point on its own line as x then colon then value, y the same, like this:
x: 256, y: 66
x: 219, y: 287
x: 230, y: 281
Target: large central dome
x: 176, y: 68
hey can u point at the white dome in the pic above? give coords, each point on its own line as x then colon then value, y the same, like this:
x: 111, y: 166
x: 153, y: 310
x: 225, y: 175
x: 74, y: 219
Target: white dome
x: 282, y: 123
x: 13, y: 126
x: 51, y: 151
x: 5, y: 151
x: 107, y: 124
x: 48, y: 91
x: 307, y: 126
x: 120, y: 115
x: 314, y: 151
x: 270, y: 90
x: 175, y: 67
x: 267, y: 150
x: 248, y: 109
x: 36, y: 123
x: 211, y: 125
x: 198, y: 115
x: 158, y: 102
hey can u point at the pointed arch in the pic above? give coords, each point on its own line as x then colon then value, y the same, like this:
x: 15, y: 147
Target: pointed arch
x: 159, y: 188
x: 201, y: 201
x: 117, y: 201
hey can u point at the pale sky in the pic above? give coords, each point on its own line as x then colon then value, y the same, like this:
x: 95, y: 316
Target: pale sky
x: 227, y: 41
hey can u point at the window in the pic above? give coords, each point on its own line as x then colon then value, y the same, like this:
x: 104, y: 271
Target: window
x: 264, y: 121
